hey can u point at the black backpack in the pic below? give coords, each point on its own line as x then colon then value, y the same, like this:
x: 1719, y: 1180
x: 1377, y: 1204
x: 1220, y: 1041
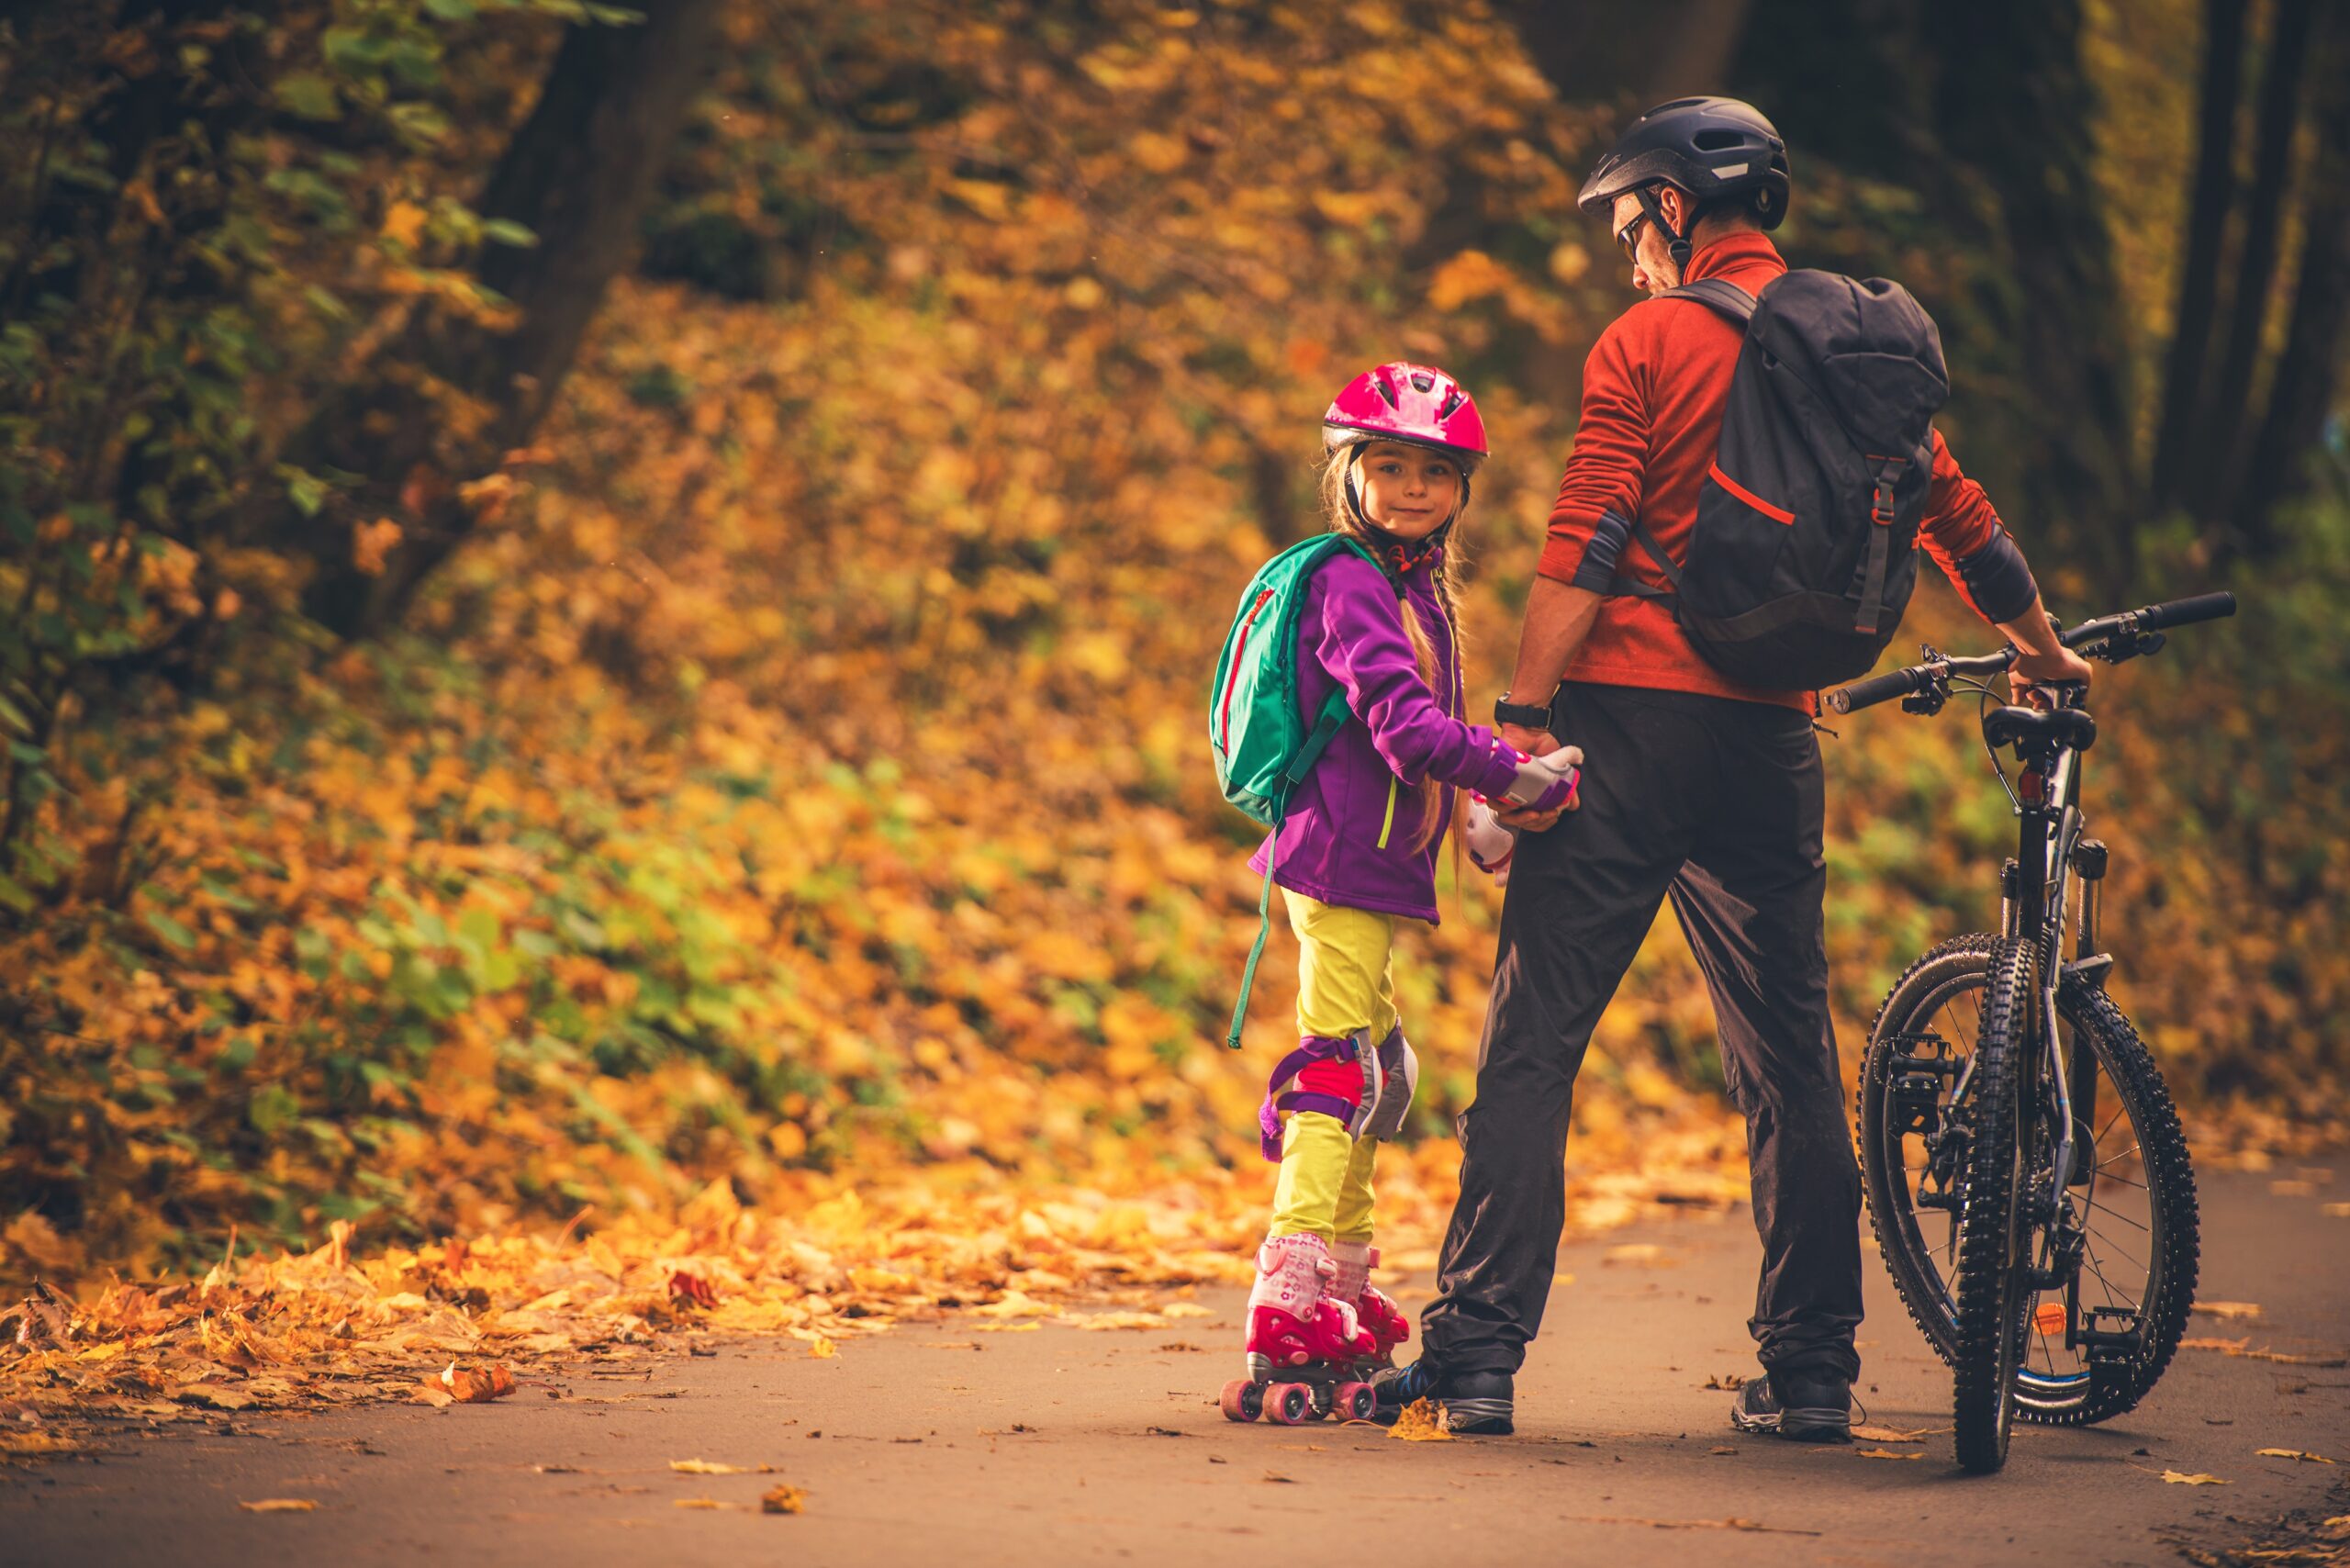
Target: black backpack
x: 1803, y: 556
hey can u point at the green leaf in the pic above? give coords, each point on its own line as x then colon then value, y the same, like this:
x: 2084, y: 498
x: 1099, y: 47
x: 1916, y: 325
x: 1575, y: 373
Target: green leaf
x: 14, y: 717
x: 506, y: 231
x: 478, y: 926
x: 171, y: 930
x: 271, y: 1107
x: 305, y: 490
x: 15, y: 894
x: 352, y: 51
x: 309, y: 95
x: 451, y: 10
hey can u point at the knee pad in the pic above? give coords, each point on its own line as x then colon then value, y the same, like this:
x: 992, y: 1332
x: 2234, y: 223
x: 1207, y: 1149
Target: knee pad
x: 1398, y: 1072
x: 1335, y: 1075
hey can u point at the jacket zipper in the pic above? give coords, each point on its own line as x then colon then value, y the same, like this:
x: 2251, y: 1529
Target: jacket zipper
x: 1232, y: 679
x: 1387, y: 822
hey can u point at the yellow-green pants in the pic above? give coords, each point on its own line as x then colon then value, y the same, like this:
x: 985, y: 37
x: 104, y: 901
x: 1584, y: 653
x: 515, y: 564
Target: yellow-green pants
x: 1345, y: 985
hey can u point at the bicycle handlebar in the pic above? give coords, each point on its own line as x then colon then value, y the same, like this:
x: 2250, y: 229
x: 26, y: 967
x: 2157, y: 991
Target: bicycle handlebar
x: 2187, y: 611
x: 2114, y: 637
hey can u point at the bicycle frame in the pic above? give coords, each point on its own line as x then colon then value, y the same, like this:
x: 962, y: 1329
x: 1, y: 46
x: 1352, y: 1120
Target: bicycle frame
x: 2049, y: 829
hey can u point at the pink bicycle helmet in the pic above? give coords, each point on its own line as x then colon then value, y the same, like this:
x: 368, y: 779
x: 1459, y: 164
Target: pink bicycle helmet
x: 1413, y: 403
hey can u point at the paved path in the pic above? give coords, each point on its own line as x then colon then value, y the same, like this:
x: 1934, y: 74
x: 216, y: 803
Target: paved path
x: 940, y: 1445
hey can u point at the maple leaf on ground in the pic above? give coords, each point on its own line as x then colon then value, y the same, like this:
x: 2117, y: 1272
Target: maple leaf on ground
x: 2230, y: 1309
x: 2180, y: 1478
x: 711, y: 1467
x: 1884, y: 1453
x: 1870, y: 1432
x: 783, y: 1500
x: 1419, y: 1424
x: 692, y: 1290
x: 475, y: 1384
x: 2294, y: 1453
x: 280, y: 1505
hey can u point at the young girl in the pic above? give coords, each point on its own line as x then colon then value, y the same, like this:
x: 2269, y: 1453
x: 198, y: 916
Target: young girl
x: 1357, y: 849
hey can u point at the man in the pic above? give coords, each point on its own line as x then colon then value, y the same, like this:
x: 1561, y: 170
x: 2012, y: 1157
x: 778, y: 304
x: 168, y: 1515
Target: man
x: 1697, y: 789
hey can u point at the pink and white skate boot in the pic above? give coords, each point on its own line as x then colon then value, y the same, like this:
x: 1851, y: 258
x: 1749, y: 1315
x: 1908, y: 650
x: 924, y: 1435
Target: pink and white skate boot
x: 1294, y: 1318
x: 1351, y: 1282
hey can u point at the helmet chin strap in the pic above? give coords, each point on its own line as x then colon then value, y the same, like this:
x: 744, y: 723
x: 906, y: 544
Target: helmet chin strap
x: 1676, y: 243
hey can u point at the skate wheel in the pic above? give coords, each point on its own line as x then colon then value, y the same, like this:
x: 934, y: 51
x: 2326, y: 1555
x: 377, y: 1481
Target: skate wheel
x: 1241, y: 1400
x: 1291, y: 1404
x: 1352, y: 1401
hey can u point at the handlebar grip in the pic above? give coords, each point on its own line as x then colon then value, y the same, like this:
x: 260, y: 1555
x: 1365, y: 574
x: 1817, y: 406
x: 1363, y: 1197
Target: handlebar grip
x: 1875, y: 690
x: 2187, y: 611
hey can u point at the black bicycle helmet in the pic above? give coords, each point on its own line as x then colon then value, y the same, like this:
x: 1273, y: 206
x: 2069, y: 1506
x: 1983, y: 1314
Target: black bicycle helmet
x: 1708, y: 147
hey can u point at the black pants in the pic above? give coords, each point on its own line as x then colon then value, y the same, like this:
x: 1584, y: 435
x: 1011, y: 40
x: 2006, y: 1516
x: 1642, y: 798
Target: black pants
x: 1716, y: 805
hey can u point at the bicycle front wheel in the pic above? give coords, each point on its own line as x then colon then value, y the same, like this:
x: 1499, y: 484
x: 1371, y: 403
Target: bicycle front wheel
x: 2127, y: 1239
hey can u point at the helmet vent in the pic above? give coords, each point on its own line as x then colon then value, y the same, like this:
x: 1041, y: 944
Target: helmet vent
x: 1423, y: 382
x: 1451, y: 402
x: 1718, y: 141
x: 1386, y: 393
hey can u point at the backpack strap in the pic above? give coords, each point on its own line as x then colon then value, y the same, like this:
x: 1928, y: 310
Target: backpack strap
x: 1881, y: 517
x: 1326, y: 727
x: 1600, y: 571
x: 1718, y: 293
x: 1726, y: 299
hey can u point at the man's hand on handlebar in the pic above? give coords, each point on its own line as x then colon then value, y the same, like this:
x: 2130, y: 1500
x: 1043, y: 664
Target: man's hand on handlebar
x: 2055, y: 667
x: 2042, y: 658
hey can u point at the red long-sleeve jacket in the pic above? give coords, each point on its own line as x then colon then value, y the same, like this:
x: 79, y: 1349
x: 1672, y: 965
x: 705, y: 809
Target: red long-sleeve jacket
x: 1652, y: 396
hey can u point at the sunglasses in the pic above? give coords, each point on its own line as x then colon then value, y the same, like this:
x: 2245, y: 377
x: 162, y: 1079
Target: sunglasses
x: 1628, y: 237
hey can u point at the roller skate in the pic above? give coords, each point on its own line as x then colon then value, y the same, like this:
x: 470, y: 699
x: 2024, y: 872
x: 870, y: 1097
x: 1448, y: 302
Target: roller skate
x: 1307, y: 1354
x: 1381, y: 1318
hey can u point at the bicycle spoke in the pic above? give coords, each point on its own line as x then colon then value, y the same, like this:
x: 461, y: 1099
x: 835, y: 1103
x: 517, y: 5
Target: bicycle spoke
x: 2116, y: 1214
x: 2123, y: 1155
x: 2114, y: 1297
x: 2118, y: 1248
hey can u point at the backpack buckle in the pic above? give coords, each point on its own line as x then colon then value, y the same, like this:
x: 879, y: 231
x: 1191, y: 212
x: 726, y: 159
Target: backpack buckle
x: 1881, y: 495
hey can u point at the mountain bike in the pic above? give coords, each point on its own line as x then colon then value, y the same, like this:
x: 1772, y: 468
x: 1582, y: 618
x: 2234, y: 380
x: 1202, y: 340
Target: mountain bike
x: 2027, y: 1177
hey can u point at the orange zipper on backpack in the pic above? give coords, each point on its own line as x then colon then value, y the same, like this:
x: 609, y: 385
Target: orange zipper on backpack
x: 1232, y: 679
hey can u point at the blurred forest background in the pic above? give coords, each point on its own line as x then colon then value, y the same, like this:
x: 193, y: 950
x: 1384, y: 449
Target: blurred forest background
x: 596, y: 600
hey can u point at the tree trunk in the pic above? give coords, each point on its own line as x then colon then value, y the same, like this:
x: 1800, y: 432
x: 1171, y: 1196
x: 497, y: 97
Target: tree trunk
x: 578, y: 175
x: 1665, y: 48
x: 2317, y: 335
x: 2014, y: 105
x: 2207, y: 221
x: 2212, y: 479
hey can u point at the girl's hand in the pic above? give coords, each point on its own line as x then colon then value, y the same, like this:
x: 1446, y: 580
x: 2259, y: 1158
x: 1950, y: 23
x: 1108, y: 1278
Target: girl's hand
x: 1546, y: 783
x: 1534, y: 743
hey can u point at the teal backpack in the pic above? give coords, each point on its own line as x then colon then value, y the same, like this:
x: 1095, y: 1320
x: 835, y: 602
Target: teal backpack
x: 1263, y: 747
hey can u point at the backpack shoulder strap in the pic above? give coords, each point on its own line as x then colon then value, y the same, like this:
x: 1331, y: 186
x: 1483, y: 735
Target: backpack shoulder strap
x: 1720, y: 295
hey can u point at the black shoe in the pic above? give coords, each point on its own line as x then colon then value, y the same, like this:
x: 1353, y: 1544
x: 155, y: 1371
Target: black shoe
x: 1803, y: 1409
x: 1476, y: 1404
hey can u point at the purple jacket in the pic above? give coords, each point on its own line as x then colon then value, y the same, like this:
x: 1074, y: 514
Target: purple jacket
x: 1349, y: 833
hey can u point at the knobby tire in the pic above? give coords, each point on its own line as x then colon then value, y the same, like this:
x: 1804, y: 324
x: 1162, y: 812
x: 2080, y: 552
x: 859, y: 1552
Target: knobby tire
x: 1993, y: 1239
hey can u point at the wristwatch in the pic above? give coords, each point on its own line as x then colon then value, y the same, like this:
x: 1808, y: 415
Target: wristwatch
x: 1524, y: 715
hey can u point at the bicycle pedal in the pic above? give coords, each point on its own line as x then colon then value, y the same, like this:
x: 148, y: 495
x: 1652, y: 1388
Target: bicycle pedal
x: 2112, y: 1347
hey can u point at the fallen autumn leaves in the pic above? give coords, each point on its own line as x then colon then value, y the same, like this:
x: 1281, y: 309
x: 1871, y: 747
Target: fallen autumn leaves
x: 450, y: 1322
